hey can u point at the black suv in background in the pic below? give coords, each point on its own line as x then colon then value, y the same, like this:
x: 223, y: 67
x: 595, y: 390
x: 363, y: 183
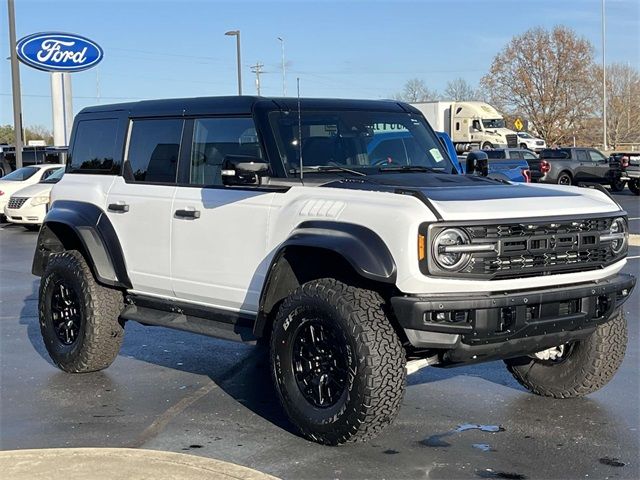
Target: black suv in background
x: 569, y: 166
x: 629, y: 164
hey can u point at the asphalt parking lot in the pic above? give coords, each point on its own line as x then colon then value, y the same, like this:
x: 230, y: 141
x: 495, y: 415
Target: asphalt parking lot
x: 181, y: 392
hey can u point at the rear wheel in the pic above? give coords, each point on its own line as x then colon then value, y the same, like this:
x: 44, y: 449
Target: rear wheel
x: 337, y: 363
x: 78, y: 317
x: 617, y: 185
x: 578, y: 368
x: 564, y: 179
x: 634, y: 186
x: 487, y: 146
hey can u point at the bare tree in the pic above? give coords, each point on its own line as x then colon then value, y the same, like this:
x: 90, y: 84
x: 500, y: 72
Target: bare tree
x: 460, y: 90
x: 547, y: 76
x: 623, y: 97
x: 416, y: 90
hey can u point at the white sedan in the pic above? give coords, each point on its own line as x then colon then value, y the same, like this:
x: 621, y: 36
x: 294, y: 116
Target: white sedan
x: 28, y: 206
x: 24, y: 177
x: 528, y: 141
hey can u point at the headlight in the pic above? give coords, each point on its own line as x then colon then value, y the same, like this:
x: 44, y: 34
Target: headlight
x: 41, y: 200
x: 618, y: 235
x: 445, y: 253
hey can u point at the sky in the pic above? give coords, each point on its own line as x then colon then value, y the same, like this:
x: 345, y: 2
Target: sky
x: 347, y: 49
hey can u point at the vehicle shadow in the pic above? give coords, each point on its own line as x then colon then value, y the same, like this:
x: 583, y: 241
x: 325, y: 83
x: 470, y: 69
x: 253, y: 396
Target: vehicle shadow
x: 29, y: 318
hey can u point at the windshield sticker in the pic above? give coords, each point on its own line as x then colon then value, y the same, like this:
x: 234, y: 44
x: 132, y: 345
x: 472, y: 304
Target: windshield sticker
x: 435, y: 153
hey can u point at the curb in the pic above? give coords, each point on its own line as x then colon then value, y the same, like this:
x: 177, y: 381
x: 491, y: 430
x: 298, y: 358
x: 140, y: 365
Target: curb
x: 116, y: 464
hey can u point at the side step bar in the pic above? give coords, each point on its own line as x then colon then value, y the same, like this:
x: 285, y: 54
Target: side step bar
x: 189, y: 323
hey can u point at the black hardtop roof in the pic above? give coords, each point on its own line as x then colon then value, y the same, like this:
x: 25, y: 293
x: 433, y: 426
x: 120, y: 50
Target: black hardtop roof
x: 238, y: 105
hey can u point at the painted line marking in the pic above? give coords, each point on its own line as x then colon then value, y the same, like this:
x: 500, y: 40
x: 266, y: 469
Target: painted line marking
x: 634, y: 218
x: 634, y: 239
x: 635, y: 257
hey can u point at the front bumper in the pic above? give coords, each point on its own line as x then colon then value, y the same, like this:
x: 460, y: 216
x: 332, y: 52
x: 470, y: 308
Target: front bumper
x: 26, y: 214
x: 488, y: 326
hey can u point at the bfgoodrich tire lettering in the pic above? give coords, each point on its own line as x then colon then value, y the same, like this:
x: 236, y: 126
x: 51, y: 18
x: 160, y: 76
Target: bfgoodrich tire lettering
x: 590, y: 365
x: 98, y: 334
x: 374, y: 357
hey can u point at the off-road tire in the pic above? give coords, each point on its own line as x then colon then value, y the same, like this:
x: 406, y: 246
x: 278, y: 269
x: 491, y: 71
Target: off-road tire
x: 100, y: 332
x: 376, y: 384
x: 565, y: 179
x: 634, y: 186
x: 590, y: 365
x: 617, y: 186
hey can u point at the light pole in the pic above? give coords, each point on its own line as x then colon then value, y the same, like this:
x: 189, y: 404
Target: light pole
x: 284, y: 71
x: 236, y: 33
x: 604, y: 81
x: 15, y: 84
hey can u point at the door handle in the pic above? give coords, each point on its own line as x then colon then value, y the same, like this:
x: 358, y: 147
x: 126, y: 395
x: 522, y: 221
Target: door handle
x: 192, y: 214
x: 118, y: 207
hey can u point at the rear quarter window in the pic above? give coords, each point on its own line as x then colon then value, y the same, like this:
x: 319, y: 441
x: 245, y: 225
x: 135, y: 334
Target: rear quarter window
x: 94, y: 147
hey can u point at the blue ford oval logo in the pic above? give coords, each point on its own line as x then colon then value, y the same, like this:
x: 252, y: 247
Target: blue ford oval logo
x: 58, y: 52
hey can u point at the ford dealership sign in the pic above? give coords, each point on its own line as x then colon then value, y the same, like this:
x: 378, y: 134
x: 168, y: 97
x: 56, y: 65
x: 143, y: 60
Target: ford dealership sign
x: 58, y: 52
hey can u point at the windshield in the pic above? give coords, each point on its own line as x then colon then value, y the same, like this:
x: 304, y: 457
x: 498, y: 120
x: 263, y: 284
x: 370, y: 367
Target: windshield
x: 54, y: 177
x: 493, y: 123
x: 21, y: 174
x: 524, y: 135
x: 362, y: 141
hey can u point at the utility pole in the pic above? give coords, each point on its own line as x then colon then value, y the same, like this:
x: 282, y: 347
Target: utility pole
x: 604, y: 80
x: 257, y: 69
x: 284, y: 71
x: 15, y: 84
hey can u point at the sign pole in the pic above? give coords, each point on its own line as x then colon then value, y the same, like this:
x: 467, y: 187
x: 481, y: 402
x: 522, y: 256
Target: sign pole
x: 15, y: 85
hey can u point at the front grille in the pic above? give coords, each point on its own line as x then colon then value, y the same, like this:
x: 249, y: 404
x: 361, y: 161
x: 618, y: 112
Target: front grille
x: 539, y: 142
x: 16, y: 202
x: 512, y: 140
x: 531, y: 248
x: 541, y: 248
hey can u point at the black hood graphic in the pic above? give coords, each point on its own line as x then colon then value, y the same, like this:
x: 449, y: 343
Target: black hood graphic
x: 445, y: 187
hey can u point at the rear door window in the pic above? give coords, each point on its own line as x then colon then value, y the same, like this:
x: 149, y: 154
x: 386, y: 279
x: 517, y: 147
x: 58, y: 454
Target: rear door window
x: 581, y: 156
x: 154, y: 148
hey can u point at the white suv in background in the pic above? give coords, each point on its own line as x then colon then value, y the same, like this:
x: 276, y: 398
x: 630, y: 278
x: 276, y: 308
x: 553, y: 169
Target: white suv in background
x: 528, y: 141
x: 28, y: 206
x: 23, y: 177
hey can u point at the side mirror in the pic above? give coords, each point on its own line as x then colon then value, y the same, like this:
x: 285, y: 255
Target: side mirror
x: 243, y: 170
x: 477, y: 162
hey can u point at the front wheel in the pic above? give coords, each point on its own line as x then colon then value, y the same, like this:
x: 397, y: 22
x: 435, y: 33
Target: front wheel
x: 578, y: 368
x: 634, y: 186
x: 78, y: 317
x: 337, y: 363
x: 524, y: 146
x: 487, y: 146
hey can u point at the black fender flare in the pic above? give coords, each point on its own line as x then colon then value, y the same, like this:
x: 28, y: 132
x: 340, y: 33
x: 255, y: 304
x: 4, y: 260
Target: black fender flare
x: 92, y: 232
x: 361, y: 247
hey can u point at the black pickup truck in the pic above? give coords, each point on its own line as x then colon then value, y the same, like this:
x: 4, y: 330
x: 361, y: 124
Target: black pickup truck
x: 630, y: 168
x: 569, y: 166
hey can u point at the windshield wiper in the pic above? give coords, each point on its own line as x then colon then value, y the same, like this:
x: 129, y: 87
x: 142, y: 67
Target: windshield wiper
x: 330, y: 168
x: 409, y: 168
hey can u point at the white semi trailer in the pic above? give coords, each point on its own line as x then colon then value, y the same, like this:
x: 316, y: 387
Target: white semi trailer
x: 469, y: 124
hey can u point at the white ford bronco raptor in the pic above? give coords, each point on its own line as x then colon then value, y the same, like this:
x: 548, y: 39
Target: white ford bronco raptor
x: 336, y: 232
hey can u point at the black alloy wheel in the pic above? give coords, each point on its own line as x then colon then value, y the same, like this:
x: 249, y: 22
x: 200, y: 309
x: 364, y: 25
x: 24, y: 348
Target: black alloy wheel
x: 65, y: 312
x: 320, y: 363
